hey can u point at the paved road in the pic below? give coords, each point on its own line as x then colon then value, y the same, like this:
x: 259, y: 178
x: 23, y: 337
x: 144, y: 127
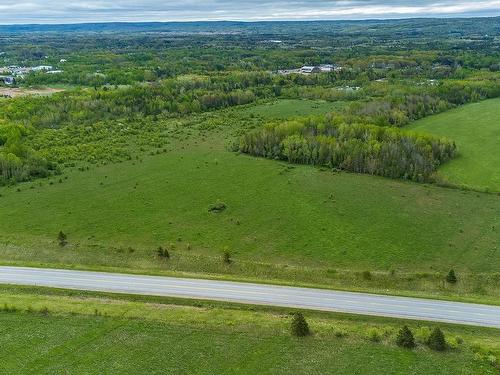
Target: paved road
x: 316, y: 299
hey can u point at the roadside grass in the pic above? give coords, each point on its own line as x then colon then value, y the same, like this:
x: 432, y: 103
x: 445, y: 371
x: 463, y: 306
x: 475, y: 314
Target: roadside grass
x: 476, y: 130
x: 287, y: 108
x: 49, y: 331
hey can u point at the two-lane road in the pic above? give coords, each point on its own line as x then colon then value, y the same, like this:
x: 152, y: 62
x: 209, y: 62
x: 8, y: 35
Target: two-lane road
x: 272, y: 295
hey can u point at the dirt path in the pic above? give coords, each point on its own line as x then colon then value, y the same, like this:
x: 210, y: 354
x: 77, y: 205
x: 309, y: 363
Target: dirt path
x: 13, y: 92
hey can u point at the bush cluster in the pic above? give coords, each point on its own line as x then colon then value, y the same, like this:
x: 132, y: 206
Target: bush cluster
x: 360, y: 148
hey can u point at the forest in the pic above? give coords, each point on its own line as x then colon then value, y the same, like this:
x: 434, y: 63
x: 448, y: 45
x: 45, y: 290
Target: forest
x: 359, y: 148
x: 124, y: 76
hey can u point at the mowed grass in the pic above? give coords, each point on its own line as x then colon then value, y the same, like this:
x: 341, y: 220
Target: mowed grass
x: 287, y: 108
x: 99, y: 334
x: 476, y: 130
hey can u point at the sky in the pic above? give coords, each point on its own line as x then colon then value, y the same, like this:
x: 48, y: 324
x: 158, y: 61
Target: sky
x: 68, y: 11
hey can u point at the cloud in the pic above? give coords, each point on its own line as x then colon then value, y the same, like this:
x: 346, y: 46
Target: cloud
x: 64, y: 11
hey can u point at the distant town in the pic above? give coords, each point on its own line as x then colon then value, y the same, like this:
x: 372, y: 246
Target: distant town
x: 312, y: 69
x: 10, y: 74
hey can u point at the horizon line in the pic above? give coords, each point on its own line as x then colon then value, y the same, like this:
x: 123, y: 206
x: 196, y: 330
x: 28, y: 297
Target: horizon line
x: 433, y: 17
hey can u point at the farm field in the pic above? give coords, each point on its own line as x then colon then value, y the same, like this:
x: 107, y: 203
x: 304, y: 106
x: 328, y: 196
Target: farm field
x: 48, y: 331
x: 476, y: 130
x: 13, y: 92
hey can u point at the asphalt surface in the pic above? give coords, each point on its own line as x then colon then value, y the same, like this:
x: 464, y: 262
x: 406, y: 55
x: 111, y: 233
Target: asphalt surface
x: 261, y: 294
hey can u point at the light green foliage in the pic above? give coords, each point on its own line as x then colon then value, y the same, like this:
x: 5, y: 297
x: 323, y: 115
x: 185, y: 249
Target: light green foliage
x: 19, y: 162
x: 358, y: 148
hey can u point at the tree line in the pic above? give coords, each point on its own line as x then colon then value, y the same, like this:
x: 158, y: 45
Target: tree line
x: 359, y: 148
x: 172, y: 97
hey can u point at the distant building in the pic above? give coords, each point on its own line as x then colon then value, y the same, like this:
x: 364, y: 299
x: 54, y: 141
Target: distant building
x: 41, y: 68
x: 55, y: 71
x: 310, y: 69
x: 326, y: 68
x: 63, y: 60
x: 349, y: 88
x: 8, y: 80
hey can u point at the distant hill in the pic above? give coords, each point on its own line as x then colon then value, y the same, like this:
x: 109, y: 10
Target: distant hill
x: 419, y: 25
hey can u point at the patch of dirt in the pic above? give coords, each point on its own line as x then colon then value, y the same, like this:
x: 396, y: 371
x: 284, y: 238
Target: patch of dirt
x: 13, y: 92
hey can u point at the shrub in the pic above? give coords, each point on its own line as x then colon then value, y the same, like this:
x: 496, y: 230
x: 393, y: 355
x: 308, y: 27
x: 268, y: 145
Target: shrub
x: 492, y: 360
x: 300, y: 328
x: 436, y: 340
x: 422, y: 334
x: 374, y: 335
x: 367, y: 275
x: 451, y: 277
x: 405, y: 338
x: 226, y: 257
x: 217, y: 207
x: 163, y: 253
x: 44, y: 311
x: 62, y: 239
x: 340, y: 333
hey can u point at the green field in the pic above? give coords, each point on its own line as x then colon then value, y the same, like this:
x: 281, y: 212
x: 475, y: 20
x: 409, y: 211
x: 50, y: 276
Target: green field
x: 476, y: 130
x: 117, y: 216
x: 290, y: 223
x: 99, y: 334
x: 287, y: 108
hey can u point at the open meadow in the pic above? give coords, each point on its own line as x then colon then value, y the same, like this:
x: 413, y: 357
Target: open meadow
x: 476, y: 130
x: 288, y: 222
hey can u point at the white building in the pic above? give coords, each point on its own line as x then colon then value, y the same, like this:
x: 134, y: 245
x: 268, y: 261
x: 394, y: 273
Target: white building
x: 41, y: 68
x: 309, y: 69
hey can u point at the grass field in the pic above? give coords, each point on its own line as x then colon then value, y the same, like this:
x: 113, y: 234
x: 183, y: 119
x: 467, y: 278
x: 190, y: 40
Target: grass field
x: 98, y: 334
x: 287, y: 108
x: 293, y: 223
x: 476, y: 130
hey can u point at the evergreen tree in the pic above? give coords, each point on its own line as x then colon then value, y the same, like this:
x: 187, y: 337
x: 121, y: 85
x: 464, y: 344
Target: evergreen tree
x: 300, y: 328
x: 436, y: 340
x: 226, y: 257
x: 163, y: 253
x: 405, y: 338
x: 62, y: 239
x: 451, y: 277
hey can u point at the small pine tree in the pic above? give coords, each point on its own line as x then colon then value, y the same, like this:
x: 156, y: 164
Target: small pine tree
x: 62, y: 239
x: 163, y: 253
x: 367, y: 275
x: 451, y: 277
x: 300, y: 328
x: 436, y: 340
x: 405, y: 338
x: 226, y: 257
